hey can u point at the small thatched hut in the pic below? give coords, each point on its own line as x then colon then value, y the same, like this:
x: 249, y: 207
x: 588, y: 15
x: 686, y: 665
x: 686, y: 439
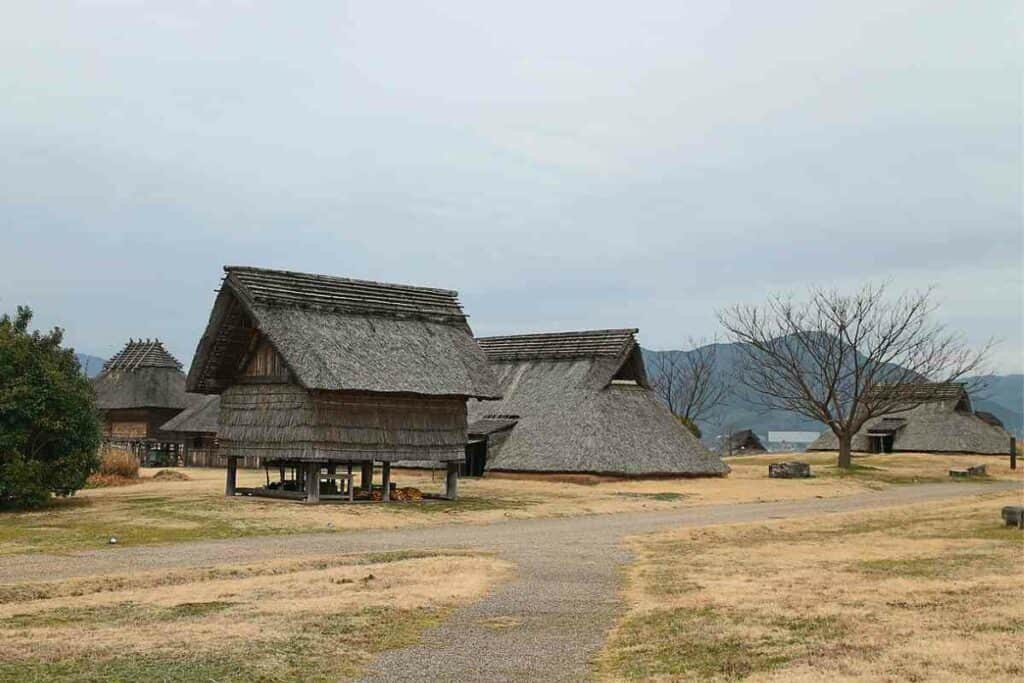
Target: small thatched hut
x: 138, y: 390
x: 196, y: 429
x: 941, y: 420
x: 579, y: 403
x: 316, y: 371
x: 744, y: 441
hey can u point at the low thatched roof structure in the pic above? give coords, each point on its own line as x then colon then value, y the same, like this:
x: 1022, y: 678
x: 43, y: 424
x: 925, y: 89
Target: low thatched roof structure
x: 319, y: 368
x: 745, y: 441
x: 200, y: 418
x: 940, y: 419
x: 580, y: 402
x: 142, y: 375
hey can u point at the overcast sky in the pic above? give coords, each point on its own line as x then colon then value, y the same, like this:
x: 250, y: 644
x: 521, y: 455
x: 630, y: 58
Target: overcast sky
x: 564, y: 165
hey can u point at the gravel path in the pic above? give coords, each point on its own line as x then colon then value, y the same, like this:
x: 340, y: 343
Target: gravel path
x: 547, y: 623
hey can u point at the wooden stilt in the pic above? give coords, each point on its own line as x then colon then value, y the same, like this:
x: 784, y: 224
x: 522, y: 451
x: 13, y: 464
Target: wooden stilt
x: 313, y: 482
x: 350, y: 483
x: 366, y: 476
x: 232, y: 477
x: 451, y: 487
x: 386, y: 471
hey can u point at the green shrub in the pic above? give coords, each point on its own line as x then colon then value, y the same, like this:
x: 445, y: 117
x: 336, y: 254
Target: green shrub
x: 49, y: 430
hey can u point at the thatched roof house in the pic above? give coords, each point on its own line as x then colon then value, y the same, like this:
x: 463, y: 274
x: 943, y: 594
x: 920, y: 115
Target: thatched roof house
x: 196, y: 429
x: 579, y: 402
x: 940, y: 420
x: 138, y: 390
x: 744, y: 441
x: 323, y: 370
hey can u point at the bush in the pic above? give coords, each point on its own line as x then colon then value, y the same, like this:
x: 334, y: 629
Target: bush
x: 119, y: 463
x: 49, y: 430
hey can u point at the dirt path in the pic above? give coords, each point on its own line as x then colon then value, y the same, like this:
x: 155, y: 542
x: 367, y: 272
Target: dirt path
x: 547, y: 623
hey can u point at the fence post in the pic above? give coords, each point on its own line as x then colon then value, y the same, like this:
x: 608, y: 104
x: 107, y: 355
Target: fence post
x: 1013, y: 452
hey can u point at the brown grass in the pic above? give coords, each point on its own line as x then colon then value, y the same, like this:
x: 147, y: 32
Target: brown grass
x: 249, y: 620
x: 119, y: 463
x: 161, y: 511
x: 925, y: 592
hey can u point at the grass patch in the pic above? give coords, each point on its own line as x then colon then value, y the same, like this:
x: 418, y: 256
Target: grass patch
x: 693, y: 643
x: 665, y: 496
x: 329, y: 648
x: 463, y: 504
x: 874, y: 595
x: 117, y: 614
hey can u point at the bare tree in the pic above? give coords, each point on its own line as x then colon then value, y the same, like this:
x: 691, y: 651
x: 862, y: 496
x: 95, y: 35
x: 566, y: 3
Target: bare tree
x: 845, y: 359
x: 690, y: 382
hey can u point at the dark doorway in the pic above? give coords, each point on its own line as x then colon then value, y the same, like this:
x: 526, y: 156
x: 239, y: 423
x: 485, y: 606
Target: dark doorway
x: 476, y: 459
x: 881, y: 443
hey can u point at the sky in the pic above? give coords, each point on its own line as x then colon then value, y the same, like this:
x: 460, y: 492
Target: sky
x: 563, y: 165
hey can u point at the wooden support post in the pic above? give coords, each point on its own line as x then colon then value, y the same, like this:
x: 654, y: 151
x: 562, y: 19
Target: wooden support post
x: 451, y: 487
x: 366, y: 476
x: 1013, y: 452
x: 313, y: 482
x: 386, y: 472
x: 232, y: 477
x: 281, y: 472
x: 350, y: 483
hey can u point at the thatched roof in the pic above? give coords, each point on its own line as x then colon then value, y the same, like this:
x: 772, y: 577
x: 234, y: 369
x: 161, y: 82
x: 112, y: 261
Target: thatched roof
x: 941, y: 422
x: 338, y: 334
x: 580, y: 402
x: 142, y: 375
x: 199, y: 418
x: 745, y: 439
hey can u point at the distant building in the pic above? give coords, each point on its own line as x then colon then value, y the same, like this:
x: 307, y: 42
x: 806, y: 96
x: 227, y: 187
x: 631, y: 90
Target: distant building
x: 939, y: 419
x: 138, y: 391
x: 743, y: 441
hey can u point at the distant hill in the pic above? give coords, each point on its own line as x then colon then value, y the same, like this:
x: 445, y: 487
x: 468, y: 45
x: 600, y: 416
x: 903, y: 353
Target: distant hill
x: 1002, y: 395
x: 91, y: 365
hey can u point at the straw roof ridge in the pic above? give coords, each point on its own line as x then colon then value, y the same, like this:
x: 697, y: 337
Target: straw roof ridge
x: 264, y: 286
x: 578, y: 344
x: 142, y: 375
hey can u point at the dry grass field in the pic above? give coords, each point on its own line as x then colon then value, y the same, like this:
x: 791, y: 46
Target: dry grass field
x: 167, y: 511
x: 308, y: 618
x: 926, y: 592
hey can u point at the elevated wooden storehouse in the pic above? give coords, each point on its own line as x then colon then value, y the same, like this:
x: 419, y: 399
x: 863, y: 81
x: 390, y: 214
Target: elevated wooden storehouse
x: 579, y: 403
x: 939, y: 419
x: 744, y: 441
x: 138, y: 390
x: 196, y: 429
x: 315, y: 372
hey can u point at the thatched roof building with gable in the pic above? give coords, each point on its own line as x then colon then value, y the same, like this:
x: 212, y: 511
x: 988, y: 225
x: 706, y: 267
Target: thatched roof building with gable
x: 579, y: 402
x: 139, y: 389
x: 325, y: 370
x: 939, y: 419
x: 744, y: 441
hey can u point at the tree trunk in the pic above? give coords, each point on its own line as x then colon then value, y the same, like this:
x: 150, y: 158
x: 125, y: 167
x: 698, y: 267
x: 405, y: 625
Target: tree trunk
x: 845, y: 450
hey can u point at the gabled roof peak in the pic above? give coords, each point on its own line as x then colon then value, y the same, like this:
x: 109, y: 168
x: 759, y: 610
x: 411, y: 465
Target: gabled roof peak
x: 142, y: 354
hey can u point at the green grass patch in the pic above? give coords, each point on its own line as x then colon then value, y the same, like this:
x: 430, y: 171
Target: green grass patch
x: 122, y: 613
x: 463, y: 504
x: 664, y: 496
x: 707, y: 643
